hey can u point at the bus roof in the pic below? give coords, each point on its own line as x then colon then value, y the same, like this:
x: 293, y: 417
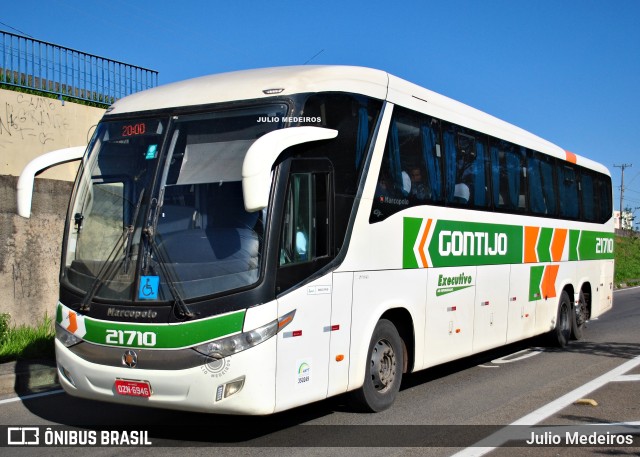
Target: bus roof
x: 282, y: 81
x: 255, y: 84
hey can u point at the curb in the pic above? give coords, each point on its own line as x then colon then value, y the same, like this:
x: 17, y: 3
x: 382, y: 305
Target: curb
x: 27, y: 376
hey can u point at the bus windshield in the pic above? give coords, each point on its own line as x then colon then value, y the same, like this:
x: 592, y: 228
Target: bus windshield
x: 158, y: 208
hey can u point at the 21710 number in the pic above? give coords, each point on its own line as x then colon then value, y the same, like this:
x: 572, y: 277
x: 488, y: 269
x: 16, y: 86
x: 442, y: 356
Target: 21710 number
x: 130, y: 337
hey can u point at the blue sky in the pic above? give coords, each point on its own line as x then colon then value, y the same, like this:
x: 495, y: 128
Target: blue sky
x: 568, y: 71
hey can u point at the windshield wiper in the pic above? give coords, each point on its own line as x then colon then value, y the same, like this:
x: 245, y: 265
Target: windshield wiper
x: 129, y: 234
x: 110, y: 265
x: 107, y: 270
x: 183, y: 310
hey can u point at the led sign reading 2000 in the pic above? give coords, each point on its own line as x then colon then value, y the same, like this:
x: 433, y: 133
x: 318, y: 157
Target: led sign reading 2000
x: 134, y: 129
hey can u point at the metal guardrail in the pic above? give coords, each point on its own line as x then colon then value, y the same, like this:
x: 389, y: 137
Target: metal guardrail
x: 66, y: 72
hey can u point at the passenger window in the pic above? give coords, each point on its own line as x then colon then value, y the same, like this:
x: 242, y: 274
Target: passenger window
x: 568, y: 185
x: 508, y: 176
x: 467, y: 167
x: 603, y: 198
x: 411, y: 170
x: 587, y: 197
x: 542, y: 189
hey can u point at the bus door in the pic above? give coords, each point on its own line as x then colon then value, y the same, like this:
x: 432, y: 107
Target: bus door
x: 305, y: 247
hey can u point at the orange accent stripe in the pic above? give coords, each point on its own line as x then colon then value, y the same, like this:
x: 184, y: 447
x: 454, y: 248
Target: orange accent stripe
x: 73, y: 323
x: 557, y: 244
x: 423, y: 241
x: 285, y: 321
x: 530, y: 241
x: 548, y: 286
x: 571, y: 157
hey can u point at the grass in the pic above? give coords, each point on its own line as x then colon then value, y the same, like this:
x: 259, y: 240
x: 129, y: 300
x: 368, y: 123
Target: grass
x: 627, y: 260
x: 26, y: 342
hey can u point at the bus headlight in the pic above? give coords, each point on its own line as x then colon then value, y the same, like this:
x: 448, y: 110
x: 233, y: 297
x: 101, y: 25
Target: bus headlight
x: 225, y: 347
x: 65, y: 337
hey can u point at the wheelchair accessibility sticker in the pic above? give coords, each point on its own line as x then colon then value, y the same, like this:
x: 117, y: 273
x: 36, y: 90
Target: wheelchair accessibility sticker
x: 149, y: 286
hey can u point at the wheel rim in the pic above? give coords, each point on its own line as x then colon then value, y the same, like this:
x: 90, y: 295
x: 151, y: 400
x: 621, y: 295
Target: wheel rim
x: 565, y: 326
x: 383, y: 366
x: 581, y: 313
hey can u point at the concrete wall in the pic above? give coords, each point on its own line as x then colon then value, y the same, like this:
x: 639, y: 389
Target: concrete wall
x: 31, y: 125
x: 30, y: 248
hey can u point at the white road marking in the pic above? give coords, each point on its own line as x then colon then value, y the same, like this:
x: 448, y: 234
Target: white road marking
x: 551, y: 408
x: 628, y: 377
x: 29, y: 397
x: 529, y: 352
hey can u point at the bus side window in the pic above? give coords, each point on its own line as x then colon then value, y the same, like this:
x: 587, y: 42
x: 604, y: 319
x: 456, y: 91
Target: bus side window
x: 296, y: 244
x: 603, y: 198
x: 508, y: 174
x: 307, y: 230
x: 411, y: 169
x: 467, y: 167
x: 587, y: 197
x: 306, y: 233
x: 568, y: 184
x: 542, y: 185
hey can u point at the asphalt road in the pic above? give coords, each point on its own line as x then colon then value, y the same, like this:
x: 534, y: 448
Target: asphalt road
x: 440, y: 411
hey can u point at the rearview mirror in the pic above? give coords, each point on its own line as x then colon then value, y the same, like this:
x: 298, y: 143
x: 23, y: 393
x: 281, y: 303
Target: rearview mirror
x: 257, y: 164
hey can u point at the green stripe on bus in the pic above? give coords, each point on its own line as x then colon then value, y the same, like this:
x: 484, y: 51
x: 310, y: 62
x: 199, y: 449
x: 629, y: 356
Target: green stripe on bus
x: 165, y: 336
x: 544, y: 244
x: 596, y: 245
x: 411, y: 232
x: 574, y: 238
x: 535, y: 279
x: 460, y: 243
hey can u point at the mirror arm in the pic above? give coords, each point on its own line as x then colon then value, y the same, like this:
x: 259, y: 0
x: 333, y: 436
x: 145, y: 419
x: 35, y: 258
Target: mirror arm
x: 263, y: 153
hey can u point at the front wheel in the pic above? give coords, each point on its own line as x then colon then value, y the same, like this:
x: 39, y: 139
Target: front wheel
x: 560, y: 335
x: 384, y: 370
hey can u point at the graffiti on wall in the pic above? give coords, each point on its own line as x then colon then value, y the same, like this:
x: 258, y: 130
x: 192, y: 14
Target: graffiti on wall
x: 31, y: 118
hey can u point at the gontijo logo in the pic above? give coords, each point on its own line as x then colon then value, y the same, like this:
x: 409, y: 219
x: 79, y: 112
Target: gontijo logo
x: 443, y: 243
x: 459, y: 243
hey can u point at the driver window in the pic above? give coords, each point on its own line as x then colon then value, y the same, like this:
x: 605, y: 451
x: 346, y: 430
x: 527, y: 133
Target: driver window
x: 297, y: 242
x: 306, y: 232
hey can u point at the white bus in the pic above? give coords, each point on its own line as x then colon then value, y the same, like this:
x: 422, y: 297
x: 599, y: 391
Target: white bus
x: 253, y: 241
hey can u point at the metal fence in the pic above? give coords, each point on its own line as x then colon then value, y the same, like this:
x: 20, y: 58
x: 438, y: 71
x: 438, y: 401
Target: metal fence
x: 46, y: 67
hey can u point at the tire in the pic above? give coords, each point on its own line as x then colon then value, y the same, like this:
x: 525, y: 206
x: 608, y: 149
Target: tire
x: 561, y: 334
x: 579, y: 317
x: 384, y: 370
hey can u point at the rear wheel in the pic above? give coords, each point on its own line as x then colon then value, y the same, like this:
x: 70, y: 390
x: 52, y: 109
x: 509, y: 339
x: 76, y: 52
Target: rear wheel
x: 560, y: 335
x: 384, y: 370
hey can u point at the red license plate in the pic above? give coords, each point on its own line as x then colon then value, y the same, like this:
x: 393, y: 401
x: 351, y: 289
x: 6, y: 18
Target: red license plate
x: 133, y: 388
